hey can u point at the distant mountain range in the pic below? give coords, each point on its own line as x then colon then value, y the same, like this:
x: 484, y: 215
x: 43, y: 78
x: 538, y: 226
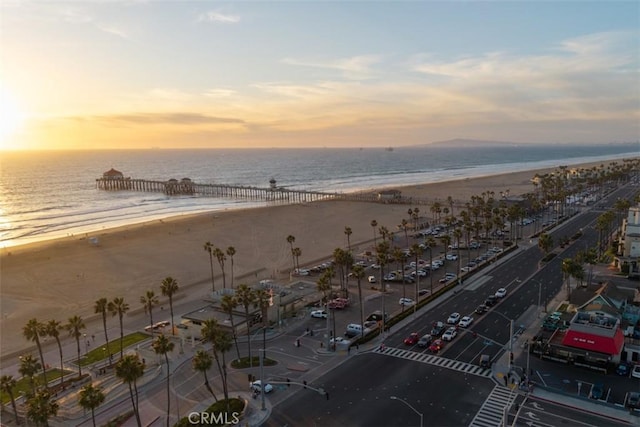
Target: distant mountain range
x: 461, y: 142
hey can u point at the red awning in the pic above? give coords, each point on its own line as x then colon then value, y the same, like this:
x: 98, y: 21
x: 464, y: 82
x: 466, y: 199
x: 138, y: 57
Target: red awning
x: 592, y: 342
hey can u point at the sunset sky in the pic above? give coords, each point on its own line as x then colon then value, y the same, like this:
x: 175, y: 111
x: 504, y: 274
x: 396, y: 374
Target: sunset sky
x: 198, y: 74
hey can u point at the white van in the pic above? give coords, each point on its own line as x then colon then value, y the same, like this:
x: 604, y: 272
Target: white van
x: 353, y: 330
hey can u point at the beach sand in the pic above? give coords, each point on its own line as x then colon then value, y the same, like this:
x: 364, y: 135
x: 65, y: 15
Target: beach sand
x: 62, y: 278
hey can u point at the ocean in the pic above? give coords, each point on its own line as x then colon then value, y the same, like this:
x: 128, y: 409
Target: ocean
x: 50, y: 194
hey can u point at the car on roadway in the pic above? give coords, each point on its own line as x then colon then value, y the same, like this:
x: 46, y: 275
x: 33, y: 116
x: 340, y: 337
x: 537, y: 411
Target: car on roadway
x: 438, y: 329
x: 501, y: 293
x: 453, y: 318
x: 319, y: 314
x: 339, y: 340
x: 465, y: 321
x: 425, y: 341
x: 450, y: 334
x: 256, y: 386
x: 481, y: 309
x: 406, y: 302
x: 635, y: 372
x: 436, y: 346
x: 412, y: 339
x: 491, y: 301
x: 371, y: 279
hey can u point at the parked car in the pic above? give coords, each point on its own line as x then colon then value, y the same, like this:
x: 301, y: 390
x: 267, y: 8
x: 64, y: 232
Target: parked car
x: 450, y: 334
x: 453, y: 318
x: 436, y: 346
x: 633, y: 400
x: 597, y: 391
x: 371, y: 279
x: 465, y: 321
x: 623, y: 370
x: 452, y: 257
x: 377, y: 316
x: 319, y: 314
x: 412, y: 339
x: 422, y: 292
x: 425, y: 341
x: 635, y: 372
x: 256, y: 386
x: 406, y: 302
x: 501, y: 293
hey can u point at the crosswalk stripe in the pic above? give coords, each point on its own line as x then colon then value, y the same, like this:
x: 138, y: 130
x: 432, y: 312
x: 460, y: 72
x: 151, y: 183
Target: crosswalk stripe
x: 455, y: 365
x: 492, y: 410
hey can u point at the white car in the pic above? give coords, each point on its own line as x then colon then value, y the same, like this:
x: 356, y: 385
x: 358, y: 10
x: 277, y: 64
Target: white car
x: 635, y: 372
x: 453, y: 318
x: 501, y: 293
x: 319, y: 314
x: 406, y: 302
x: 257, y: 387
x: 452, y: 257
x: 450, y: 334
x: 465, y: 321
x: 371, y: 279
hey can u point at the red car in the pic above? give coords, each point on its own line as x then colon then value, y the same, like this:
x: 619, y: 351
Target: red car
x: 412, y: 339
x: 436, y: 346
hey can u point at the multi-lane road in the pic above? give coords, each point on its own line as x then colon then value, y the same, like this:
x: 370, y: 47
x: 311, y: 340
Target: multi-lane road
x: 450, y: 388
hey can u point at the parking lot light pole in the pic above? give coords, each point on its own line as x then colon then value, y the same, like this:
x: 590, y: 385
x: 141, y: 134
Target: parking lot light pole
x: 411, y: 407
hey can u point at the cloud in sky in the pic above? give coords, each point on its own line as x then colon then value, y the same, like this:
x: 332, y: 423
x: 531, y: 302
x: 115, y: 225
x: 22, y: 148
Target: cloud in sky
x: 306, y: 68
x: 216, y: 16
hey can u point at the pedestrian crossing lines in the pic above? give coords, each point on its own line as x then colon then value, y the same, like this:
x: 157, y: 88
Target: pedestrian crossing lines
x: 493, y: 408
x: 431, y: 359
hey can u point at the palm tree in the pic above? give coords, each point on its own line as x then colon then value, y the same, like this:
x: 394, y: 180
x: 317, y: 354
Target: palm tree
x: 220, y: 342
x: 149, y: 300
x: 430, y: 243
x: 163, y: 346
x: 101, y: 306
x: 208, y: 247
x: 41, y: 406
x: 29, y: 367
x: 323, y: 285
x: 348, y: 232
x: 32, y: 332
x: 90, y: 398
x: 358, y: 273
x: 228, y: 303
x: 374, y: 224
x: 119, y: 307
x: 74, y: 326
x: 545, y: 242
x: 7, y: 384
x: 417, y: 251
x: 291, y: 239
x: 52, y: 329
x: 297, y: 253
x: 231, y: 251
x: 246, y: 298
x: 169, y: 287
x: 220, y: 256
x: 129, y: 369
x: 262, y: 302
x: 202, y: 362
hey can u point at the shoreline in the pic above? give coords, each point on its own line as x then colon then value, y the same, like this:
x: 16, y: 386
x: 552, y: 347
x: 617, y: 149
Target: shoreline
x: 409, y: 189
x: 60, y: 278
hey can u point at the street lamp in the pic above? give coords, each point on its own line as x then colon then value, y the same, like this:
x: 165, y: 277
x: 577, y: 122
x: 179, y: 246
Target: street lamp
x: 411, y: 407
x: 86, y: 345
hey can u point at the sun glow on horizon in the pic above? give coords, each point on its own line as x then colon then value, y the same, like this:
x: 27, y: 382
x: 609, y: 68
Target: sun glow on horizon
x: 11, y: 117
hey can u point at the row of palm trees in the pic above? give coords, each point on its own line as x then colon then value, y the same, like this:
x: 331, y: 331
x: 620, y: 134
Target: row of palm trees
x: 221, y: 256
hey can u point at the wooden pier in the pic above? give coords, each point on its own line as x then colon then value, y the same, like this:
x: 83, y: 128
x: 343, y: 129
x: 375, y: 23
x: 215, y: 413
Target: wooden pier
x: 113, y: 180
